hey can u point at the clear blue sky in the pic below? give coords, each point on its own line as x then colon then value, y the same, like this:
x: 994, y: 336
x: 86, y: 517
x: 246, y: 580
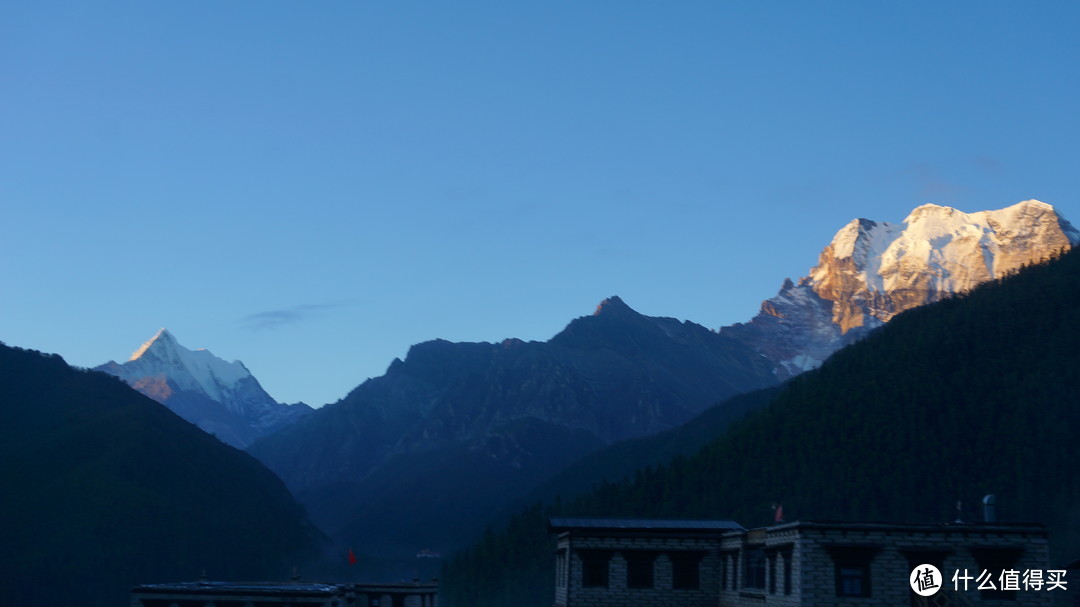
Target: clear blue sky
x: 312, y: 187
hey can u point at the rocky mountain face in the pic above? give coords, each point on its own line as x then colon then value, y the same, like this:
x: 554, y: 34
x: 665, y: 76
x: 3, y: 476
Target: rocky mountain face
x: 872, y: 271
x: 220, y: 397
x: 468, y: 427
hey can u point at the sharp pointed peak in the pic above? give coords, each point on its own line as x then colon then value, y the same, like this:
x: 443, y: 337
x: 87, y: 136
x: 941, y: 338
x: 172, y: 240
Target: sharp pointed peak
x: 162, y: 337
x: 861, y: 222
x: 858, y: 226
x: 612, y: 304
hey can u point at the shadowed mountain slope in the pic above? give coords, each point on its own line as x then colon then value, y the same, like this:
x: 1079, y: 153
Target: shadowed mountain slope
x: 105, y: 488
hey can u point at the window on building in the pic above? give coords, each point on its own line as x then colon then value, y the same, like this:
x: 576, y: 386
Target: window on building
x: 787, y: 555
x: 639, y: 568
x: 724, y: 571
x: 779, y: 568
x: 686, y: 570
x: 852, y: 580
x: 594, y: 568
x: 772, y: 572
x: 733, y: 558
x: 754, y: 568
x: 852, y: 569
x: 995, y: 561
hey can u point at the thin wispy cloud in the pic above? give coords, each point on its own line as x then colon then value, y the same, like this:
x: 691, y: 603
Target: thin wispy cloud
x: 932, y: 186
x: 989, y: 165
x: 275, y: 319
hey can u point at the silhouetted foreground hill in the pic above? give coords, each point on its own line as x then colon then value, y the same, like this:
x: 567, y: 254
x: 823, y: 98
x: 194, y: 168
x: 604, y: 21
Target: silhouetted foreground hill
x: 976, y: 394
x: 104, y: 488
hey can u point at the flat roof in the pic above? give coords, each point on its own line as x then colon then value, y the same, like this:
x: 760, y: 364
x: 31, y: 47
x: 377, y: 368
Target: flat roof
x: 291, y: 588
x: 642, y: 524
x: 208, y: 587
x: 961, y: 527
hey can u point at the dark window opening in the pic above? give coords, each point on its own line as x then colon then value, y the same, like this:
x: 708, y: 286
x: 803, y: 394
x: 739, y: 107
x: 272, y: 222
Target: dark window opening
x: 852, y: 580
x: 639, y: 569
x: 995, y: 561
x: 594, y: 568
x: 852, y: 569
x: 772, y: 573
x: 787, y: 571
x: 686, y: 570
x: 754, y: 568
x: 735, y: 571
x: 779, y: 556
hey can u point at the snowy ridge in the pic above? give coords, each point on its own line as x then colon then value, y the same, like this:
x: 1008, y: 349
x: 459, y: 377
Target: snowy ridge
x: 871, y: 271
x: 223, y: 398
x: 866, y: 243
x: 960, y: 250
x: 194, y: 370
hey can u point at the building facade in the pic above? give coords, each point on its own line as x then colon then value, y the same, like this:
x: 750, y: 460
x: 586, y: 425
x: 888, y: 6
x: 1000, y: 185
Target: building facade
x: 629, y: 563
x: 848, y: 564
x: 637, y: 562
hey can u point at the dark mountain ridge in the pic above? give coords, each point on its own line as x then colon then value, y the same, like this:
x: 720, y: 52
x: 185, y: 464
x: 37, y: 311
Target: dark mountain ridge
x: 519, y: 411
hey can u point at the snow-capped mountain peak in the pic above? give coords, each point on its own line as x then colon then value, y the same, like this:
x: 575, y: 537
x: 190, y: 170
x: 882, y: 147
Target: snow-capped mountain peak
x: 194, y: 370
x: 870, y: 271
x: 221, y: 397
x: 941, y: 249
x: 163, y: 338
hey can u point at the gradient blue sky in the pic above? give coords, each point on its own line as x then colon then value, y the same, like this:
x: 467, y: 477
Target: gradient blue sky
x: 312, y: 187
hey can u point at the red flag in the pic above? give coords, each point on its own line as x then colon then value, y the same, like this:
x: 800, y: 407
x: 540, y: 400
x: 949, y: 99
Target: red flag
x: 352, y: 557
x: 779, y: 518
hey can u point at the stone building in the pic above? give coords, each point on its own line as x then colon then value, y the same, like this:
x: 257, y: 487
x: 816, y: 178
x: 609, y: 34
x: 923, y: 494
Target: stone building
x: 609, y: 562
x: 844, y: 563
x: 632, y: 562
x: 296, y: 593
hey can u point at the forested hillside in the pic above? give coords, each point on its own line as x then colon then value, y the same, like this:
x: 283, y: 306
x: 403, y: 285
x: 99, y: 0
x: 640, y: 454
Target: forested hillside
x: 104, y: 488
x: 976, y: 394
